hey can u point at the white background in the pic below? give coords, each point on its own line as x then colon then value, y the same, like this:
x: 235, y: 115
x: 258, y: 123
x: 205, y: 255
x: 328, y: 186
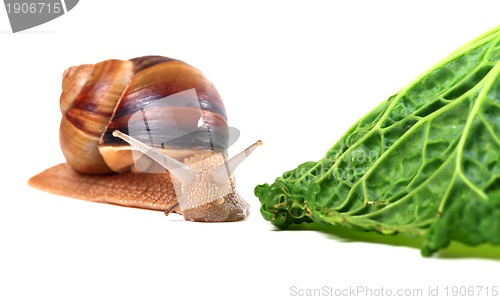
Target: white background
x: 295, y: 74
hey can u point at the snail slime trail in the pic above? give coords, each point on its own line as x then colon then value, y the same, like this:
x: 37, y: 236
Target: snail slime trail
x: 150, y: 133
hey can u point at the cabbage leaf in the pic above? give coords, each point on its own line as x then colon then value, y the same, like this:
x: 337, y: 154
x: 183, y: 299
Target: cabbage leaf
x: 425, y: 162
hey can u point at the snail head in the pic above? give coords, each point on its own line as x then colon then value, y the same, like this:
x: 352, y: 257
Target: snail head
x: 207, y: 186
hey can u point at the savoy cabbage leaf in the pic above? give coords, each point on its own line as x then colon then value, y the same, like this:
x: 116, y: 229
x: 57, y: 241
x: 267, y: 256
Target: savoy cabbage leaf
x: 425, y: 162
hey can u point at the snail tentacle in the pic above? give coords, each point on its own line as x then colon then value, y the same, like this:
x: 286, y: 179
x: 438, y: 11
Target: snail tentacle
x: 226, y: 170
x: 175, y: 167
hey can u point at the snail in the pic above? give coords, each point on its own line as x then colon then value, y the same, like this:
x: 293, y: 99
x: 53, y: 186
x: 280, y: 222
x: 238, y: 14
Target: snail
x: 150, y: 133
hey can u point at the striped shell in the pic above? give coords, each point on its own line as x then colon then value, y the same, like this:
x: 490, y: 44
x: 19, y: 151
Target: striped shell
x: 100, y: 98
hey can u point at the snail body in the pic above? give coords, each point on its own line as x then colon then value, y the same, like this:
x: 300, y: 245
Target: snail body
x: 149, y: 133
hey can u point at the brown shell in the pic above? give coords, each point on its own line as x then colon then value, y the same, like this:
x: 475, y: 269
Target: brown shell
x: 98, y: 99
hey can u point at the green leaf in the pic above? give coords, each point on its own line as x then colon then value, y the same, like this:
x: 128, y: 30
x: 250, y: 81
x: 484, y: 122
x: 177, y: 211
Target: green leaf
x: 425, y: 162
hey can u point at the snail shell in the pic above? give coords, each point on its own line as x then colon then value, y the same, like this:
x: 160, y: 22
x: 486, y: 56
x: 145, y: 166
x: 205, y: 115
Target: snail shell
x: 115, y: 97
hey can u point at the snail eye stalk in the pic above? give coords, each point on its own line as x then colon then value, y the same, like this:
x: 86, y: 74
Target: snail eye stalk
x: 223, y: 172
x: 174, y: 166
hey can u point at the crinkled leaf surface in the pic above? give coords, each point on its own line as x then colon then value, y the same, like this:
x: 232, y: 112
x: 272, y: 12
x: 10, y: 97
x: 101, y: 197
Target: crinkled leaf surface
x: 424, y: 162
